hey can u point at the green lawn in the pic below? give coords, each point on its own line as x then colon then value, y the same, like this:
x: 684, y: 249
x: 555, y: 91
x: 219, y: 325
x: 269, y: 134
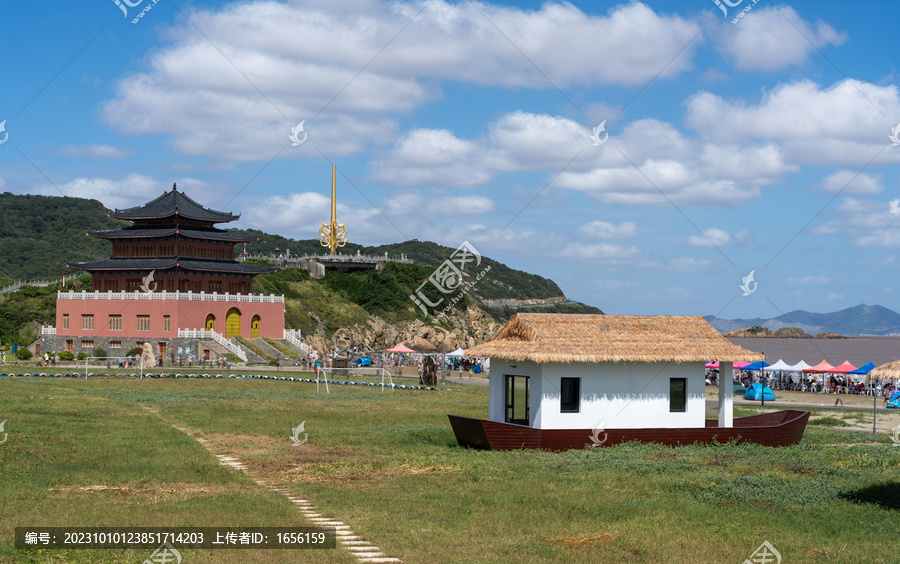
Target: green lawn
x: 106, y: 452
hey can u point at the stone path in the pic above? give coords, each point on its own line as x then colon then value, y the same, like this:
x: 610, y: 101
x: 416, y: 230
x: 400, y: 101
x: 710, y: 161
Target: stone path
x: 361, y: 549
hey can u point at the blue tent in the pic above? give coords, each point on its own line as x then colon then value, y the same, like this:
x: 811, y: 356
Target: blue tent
x: 758, y: 365
x: 756, y: 392
x: 863, y: 369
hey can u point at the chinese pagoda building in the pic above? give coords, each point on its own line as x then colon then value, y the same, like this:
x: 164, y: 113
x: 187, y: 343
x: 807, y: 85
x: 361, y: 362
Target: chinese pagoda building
x: 171, y: 276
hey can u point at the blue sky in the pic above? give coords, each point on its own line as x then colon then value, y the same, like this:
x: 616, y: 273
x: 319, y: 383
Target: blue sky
x: 757, y: 145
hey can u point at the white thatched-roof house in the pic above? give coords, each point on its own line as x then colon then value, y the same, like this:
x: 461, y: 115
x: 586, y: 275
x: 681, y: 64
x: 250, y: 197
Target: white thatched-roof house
x: 562, y: 371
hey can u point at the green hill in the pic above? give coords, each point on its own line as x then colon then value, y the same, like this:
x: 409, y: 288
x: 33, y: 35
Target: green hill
x: 39, y: 233
x: 504, y: 282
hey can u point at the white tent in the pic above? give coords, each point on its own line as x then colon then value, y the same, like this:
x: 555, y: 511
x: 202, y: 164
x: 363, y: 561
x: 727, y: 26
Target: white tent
x: 780, y: 366
x: 799, y: 367
x: 457, y: 353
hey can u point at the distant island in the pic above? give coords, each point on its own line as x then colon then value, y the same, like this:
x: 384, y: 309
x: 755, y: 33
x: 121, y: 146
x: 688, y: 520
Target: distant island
x: 871, y: 320
x: 783, y: 333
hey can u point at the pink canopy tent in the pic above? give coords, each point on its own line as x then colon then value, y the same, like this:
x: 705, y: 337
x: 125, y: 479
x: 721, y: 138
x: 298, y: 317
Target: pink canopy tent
x: 844, y: 368
x: 401, y: 349
x: 734, y: 365
x: 822, y: 367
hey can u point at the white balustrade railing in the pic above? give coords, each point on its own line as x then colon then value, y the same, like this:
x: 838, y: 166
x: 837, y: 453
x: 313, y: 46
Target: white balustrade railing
x: 229, y: 345
x: 293, y: 336
x: 189, y: 296
x: 36, y: 283
x: 48, y: 330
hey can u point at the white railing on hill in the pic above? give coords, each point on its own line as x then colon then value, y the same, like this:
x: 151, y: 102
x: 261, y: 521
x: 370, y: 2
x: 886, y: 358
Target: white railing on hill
x: 293, y: 337
x: 48, y: 330
x: 36, y: 283
x: 189, y: 296
x: 229, y: 345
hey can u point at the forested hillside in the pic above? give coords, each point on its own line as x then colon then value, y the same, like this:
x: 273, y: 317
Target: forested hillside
x: 39, y: 233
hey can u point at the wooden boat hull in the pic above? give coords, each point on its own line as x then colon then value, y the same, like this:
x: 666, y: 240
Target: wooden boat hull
x: 779, y: 428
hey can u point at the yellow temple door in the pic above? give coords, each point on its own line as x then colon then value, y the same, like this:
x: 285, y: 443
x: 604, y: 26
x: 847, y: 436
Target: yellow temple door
x: 232, y: 323
x: 254, y: 327
x: 210, y: 322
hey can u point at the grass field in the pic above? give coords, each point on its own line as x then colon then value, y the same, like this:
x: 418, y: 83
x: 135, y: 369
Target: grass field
x: 109, y: 452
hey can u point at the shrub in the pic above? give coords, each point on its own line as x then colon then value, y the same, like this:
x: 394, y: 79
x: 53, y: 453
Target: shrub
x: 82, y: 356
x: 136, y: 351
x: 66, y: 355
x: 23, y: 354
x: 100, y: 352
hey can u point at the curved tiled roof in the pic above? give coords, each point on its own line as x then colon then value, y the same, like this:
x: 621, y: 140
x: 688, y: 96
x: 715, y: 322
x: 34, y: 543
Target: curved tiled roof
x: 172, y: 203
x: 148, y: 264
x: 129, y: 233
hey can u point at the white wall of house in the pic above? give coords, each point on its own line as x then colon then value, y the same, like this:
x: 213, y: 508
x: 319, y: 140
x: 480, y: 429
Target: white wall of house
x: 621, y: 395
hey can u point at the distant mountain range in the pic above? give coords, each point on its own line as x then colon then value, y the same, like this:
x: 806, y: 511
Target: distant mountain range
x: 858, y: 320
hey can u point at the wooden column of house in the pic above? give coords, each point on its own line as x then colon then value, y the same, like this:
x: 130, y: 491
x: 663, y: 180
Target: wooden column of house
x: 726, y: 394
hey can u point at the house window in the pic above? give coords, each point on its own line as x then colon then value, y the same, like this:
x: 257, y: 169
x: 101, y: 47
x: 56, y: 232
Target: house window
x: 166, y: 320
x: 133, y: 285
x: 87, y: 322
x: 143, y: 323
x: 65, y: 321
x: 570, y: 395
x: 215, y: 287
x: 115, y: 322
x: 87, y: 343
x: 234, y: 287
x: 70, y: 344
x: 677, y: 395
x: 115, y: 344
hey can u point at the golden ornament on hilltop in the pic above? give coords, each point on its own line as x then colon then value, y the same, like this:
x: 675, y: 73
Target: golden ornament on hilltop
x: 334, y: 234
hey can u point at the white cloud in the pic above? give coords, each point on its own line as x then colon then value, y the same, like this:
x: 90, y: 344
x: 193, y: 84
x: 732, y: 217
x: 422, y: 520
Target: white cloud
x: 283, y: 64
x: 712, y: 237
x: 852, y: 183
x: 769, y: 39
x: 96, y: 151
x: 609, y: 252
x: 867, y: 222
x: 605, y: 230
x: 133, y: 190
x: 840, y: 125
x: 834, y: 296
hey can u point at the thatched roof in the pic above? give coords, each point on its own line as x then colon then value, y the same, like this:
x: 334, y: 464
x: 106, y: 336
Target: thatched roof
x: 889, y: 371
x: 556, y: 337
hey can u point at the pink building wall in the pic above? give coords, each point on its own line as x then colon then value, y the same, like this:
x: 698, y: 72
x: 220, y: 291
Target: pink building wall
x: 183, y: 314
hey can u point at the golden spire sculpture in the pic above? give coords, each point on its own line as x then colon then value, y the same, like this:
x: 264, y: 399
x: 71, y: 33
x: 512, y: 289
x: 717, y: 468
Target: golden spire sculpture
x: 334, y: 234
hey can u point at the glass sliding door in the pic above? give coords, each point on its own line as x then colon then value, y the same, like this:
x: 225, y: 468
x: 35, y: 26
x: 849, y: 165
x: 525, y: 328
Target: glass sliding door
x: 518, y: 400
